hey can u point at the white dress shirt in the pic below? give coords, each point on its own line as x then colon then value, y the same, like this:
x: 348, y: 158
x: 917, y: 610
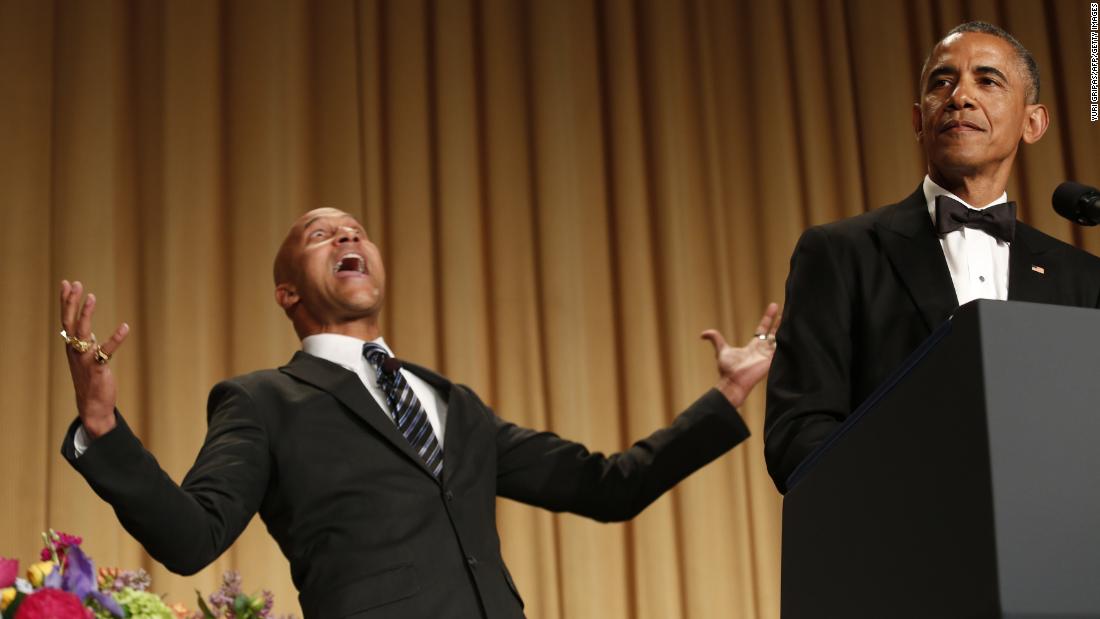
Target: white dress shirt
x: 977, y: 261
x: 348, y: 352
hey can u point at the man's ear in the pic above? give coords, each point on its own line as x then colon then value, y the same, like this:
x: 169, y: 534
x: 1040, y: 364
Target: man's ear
x: 286, y: 295
x: 918, y: 125
x: 1036, y: 123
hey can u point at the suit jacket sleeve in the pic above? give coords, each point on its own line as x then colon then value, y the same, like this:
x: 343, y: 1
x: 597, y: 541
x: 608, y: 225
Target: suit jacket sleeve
x: 184, y: 526
x: 542, y: 469
x: 809, y: 382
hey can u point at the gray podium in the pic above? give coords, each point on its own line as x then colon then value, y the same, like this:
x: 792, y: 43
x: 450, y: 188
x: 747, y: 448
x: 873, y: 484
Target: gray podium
x: 968, y: 485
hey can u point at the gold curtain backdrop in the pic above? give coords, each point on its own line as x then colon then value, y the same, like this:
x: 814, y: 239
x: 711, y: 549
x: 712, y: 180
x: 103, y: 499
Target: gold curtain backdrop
x: 566, y: 193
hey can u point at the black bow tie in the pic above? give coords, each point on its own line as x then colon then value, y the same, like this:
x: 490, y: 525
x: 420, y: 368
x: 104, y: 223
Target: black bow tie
x: 997, y: 221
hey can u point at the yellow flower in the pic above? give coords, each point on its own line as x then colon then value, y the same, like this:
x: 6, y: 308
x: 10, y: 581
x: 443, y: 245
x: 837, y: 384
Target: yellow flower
x: 6, y: 596
x: 37, y: 573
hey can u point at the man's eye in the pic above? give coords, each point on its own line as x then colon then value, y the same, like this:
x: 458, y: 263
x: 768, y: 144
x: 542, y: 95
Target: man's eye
x: 317, y: 234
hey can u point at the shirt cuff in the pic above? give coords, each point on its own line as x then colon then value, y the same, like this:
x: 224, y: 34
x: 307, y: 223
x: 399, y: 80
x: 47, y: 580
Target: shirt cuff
x: 80, y: 441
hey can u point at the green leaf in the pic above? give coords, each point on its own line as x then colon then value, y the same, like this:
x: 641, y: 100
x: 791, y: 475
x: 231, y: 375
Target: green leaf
x: 240, y: 606
x: 15, y: 602
x: 206, y: 614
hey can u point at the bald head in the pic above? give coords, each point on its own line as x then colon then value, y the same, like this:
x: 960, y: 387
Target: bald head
x: 329, y: 276
x: 285, y: 258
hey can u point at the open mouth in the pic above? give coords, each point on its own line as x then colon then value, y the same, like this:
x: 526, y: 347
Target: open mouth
x: 350, y: 263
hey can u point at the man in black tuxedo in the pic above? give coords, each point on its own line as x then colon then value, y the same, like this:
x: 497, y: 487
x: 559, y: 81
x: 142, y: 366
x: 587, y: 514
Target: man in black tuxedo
x: 377, y: 478
x: 864, y: 292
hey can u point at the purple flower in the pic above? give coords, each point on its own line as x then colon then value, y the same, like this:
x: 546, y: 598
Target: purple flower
x: 223, y: 599
x: 79, y: 579
x: 269, y: 602
x: 52, y: 580
x: 138, y: 580
x: 107, y: 602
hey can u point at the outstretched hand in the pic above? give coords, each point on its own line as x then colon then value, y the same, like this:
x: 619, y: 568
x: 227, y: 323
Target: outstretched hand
x: 739, y: 369
x: 96, y: 390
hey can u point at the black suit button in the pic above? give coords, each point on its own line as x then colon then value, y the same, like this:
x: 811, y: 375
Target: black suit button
x: 471, y: 561
x: 450, y: 496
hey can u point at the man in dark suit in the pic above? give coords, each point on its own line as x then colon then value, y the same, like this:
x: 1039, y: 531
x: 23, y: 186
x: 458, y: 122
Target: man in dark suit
x: 378, y: 479
x: 864, y: 292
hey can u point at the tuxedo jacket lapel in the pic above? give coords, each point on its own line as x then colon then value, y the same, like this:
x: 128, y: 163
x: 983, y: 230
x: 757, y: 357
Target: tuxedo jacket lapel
x: 910, y: 243
x: 1030, y: 277
x: 346, y: 387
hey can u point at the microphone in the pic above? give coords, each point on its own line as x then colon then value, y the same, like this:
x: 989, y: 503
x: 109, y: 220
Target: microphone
x: 1078, y: 203
x: 391, y: 365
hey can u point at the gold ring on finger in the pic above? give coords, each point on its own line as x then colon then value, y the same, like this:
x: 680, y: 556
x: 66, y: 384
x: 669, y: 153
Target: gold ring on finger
x: 101, y: 357
x: 761, y: 336
x: 77, y: 344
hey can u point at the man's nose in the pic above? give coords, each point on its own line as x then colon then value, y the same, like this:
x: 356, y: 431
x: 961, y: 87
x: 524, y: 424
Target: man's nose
x: 347, y: 235
x: 961, y: 97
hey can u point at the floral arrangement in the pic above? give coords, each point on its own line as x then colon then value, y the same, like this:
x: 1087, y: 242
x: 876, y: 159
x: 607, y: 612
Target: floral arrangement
x: 65, y: 584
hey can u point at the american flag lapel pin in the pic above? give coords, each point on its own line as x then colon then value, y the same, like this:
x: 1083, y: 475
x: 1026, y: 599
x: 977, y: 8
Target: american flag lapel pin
x: 1038, y: 269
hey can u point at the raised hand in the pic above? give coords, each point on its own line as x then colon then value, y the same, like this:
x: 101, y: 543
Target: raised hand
x: 96, y: 391
x: 739, y: 369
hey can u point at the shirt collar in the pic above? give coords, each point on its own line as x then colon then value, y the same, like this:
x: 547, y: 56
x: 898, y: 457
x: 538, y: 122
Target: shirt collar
x: 342, y: 350
x: 931, y: 190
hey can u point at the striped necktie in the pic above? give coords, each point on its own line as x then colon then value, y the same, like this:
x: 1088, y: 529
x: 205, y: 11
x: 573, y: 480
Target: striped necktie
x: 407, y: 411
